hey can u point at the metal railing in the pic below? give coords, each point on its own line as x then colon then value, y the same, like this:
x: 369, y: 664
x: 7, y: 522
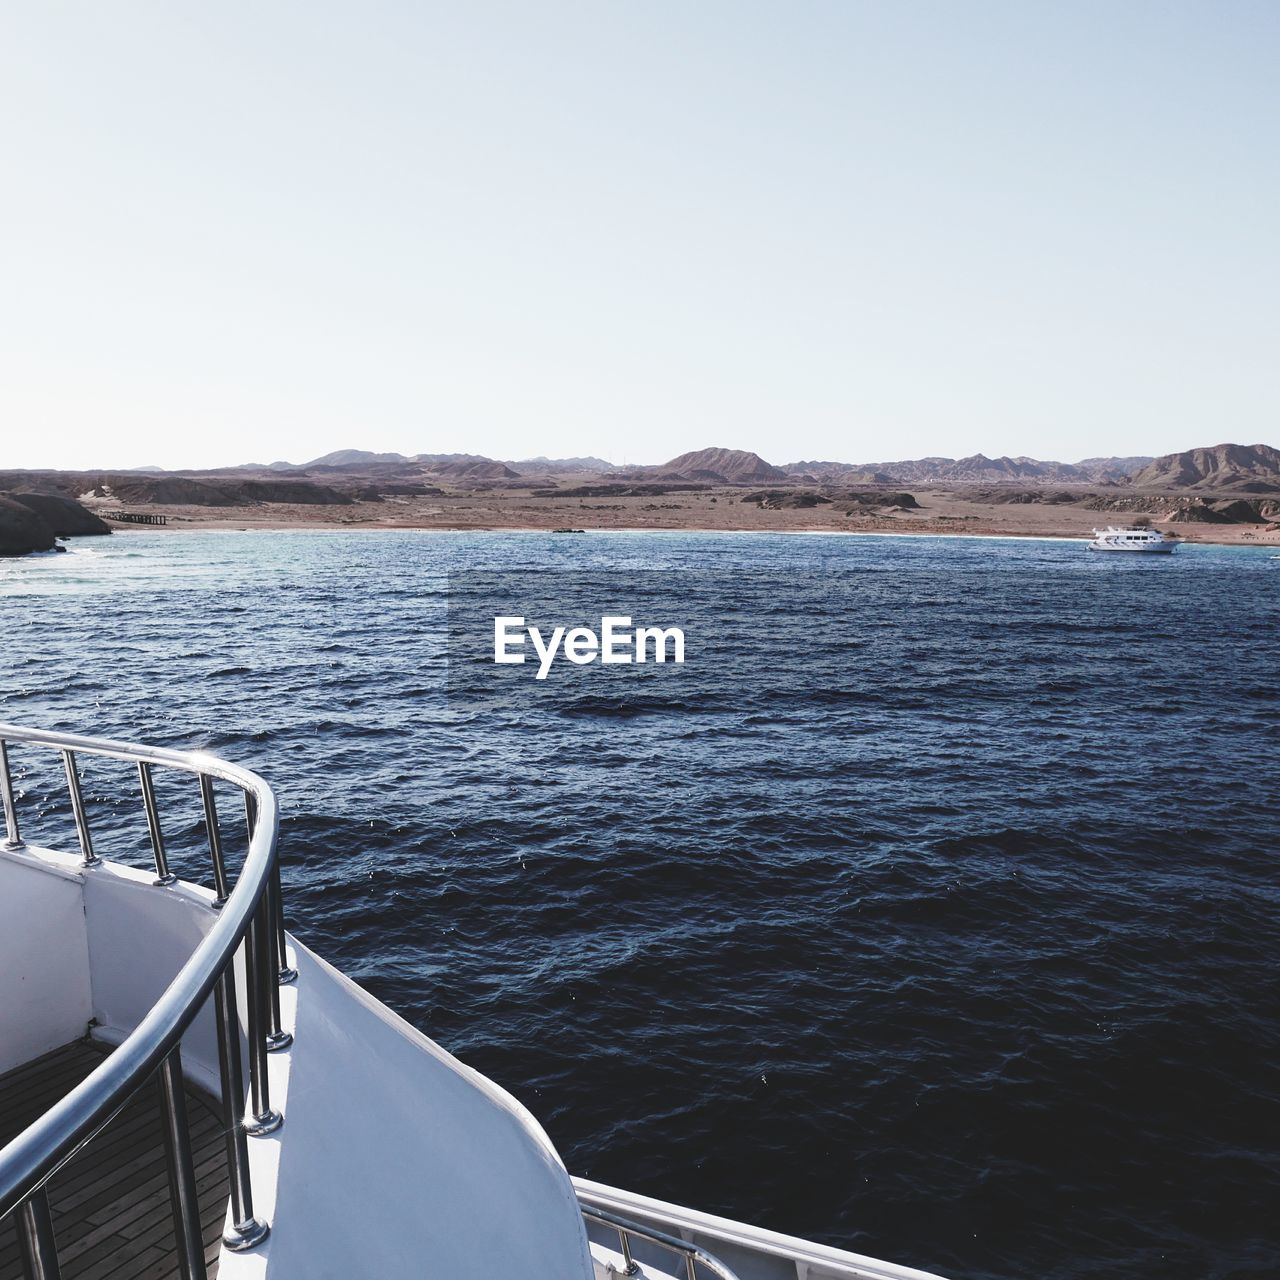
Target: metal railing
x: 689, y: 1256
x: 249, y: 914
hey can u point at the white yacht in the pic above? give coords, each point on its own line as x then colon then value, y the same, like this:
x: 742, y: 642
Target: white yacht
x: 1147, y: 540
x: 187, y: 1090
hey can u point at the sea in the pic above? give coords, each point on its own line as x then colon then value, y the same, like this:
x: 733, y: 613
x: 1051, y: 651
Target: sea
x: 927, y: 909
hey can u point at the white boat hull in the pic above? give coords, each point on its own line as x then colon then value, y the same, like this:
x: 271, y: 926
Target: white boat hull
x: 1151, y: 549
x: 1137, y: 538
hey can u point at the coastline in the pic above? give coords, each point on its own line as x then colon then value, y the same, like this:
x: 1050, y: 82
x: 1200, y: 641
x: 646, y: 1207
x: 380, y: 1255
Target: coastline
x: 472, y: 521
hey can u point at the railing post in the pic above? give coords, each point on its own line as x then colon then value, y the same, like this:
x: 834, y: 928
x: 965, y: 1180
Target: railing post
x: 35, y: 1236
x: 163, y: 874
x: 631, y: 1265
x: 221, y: 890
x: 245, y: 1230
x: 277, y: 1037
x: 12, y: 839
x: 88, y: 857
x: 258, y: 976
x: 286, y: 972
x: 182, y: 1174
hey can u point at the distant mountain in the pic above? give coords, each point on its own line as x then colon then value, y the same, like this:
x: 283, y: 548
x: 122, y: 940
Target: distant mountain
x: 443, y: 459
x: 976, y: 469
x: 1240, y: 468
x: 465, y: 466
x: 543, y: 466
x: 380, y: 466
x: 841, y: 472
x: 719, y: 466
x: 1250, y: 468
x: 1114, y: 468
x: 351, y: 458
x: 979, y: 469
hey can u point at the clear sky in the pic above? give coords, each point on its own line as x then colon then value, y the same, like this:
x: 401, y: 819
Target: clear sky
x: 242, y: 231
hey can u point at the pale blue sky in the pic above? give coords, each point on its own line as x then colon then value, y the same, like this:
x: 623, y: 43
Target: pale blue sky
x: 862, y: 231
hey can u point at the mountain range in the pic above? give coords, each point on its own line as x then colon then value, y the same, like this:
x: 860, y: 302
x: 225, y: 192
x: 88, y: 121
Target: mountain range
x: 472, y: 465
x: 1245, y: 468
x: 357, y: 474
x: 977, y: 469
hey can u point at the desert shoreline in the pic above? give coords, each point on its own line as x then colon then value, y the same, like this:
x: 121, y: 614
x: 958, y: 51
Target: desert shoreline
x: 1226, y: 495
x: 1230, y: 536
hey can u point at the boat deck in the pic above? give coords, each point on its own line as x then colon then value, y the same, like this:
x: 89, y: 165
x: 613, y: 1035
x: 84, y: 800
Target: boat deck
x: 111, y: 1212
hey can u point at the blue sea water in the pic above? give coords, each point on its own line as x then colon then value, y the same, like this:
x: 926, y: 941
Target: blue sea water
x: 930, y: 910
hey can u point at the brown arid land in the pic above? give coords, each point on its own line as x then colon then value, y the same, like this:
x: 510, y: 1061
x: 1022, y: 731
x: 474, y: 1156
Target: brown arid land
x: 1223, y: 494
x: 715, y: 508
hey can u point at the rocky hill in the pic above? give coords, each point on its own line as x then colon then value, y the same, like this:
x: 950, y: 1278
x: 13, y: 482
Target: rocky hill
x: 1114, y: 468
x: 1245, y: 468
x: 719, y: 466
x: 66, y: 517
x: 21, y: 530
x: 467, y: 467
x: 34, y: 521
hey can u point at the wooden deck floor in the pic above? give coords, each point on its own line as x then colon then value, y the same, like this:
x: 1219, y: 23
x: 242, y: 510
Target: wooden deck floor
x: 111, y: 1213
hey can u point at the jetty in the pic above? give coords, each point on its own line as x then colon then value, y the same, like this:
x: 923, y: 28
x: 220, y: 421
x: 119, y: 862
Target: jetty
x: 134, y: 517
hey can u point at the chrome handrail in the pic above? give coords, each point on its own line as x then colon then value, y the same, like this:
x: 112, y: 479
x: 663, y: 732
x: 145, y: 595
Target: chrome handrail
x: 627, y: 1230
x: 250, y: 913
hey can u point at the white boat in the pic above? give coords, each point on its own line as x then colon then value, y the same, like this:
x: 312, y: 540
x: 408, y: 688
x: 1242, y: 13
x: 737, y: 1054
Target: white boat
x: 134, y: 1006
x: 1144, y: 540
